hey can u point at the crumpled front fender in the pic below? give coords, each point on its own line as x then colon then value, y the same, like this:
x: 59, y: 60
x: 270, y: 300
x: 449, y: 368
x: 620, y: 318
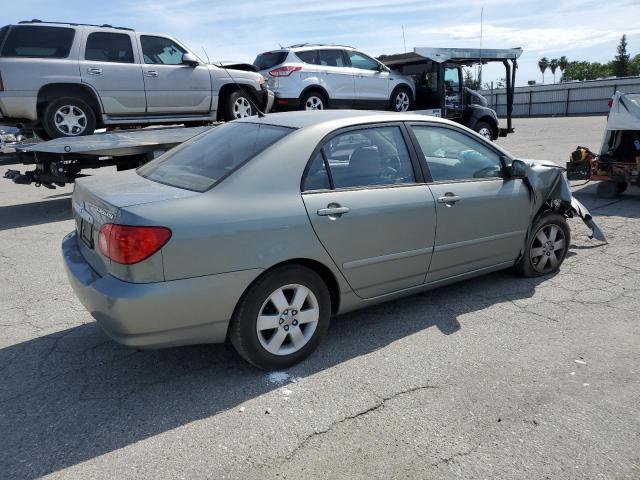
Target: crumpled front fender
x: 548, y: 183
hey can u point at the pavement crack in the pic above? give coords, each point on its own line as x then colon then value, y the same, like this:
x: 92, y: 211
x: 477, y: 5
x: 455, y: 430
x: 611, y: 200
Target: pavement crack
x: 380, y: 403
x: 455, y: 456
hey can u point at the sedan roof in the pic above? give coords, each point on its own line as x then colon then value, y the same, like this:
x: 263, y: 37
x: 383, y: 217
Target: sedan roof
x: 304, y: 119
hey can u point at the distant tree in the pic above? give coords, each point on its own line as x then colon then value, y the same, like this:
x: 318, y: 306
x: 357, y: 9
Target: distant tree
x: 586, y: 71
x: 469, y: 82
x: 634, y: 65
x: 543, y: 64
x: 562, y: 65
x: 621, y: 62
x: 553, y: 66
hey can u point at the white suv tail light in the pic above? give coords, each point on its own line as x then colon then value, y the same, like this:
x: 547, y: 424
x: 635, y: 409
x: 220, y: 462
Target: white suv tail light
x: 283, y: 71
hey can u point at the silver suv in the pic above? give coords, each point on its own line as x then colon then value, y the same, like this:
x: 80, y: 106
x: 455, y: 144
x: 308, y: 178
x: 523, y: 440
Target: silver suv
x: 69, y: 79
x: 315, y: 77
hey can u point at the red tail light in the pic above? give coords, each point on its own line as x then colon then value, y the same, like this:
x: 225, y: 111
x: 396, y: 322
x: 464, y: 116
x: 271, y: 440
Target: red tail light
x: 284, y: 71
x: 1, y: 84
x: 610, y: 102
x: 128, y: 245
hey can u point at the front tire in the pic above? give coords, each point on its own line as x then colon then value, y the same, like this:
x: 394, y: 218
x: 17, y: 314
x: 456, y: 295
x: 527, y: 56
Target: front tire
x: 547, y: 246
x: 609, y: 189
x: 401, y: 100
x: 484, y: 130
x: 281, y: 318
x: 68, y: 117
x: 238, y: 105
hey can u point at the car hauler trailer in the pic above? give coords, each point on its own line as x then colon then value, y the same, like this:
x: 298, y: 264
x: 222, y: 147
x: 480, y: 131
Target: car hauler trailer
x: 438, y: 75
x: 60, y: 161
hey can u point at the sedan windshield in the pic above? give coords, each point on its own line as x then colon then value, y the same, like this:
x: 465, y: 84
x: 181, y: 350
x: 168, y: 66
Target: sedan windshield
x: 203, y: 161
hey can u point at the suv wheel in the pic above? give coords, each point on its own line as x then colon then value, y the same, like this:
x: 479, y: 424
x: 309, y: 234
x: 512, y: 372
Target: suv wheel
x: 281, y: 318
x: 547, y: 246
x: 238, y: 105
x: 401, y: 100
x: 313, y: 101
x: 68, y: 117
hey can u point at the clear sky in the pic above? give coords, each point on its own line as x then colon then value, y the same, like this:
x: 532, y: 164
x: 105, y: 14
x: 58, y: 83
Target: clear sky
x: 237, y: 30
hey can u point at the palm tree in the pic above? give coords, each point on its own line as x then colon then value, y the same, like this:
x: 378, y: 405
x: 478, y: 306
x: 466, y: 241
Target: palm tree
x: 543, y: 63
x: 563, y: 63
x: 553, y: 66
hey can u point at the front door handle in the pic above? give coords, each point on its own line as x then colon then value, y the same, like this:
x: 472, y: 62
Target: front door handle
x: 94, y: 71
x: 333, y: 210
x: 449, y: 199
x: 151, y: 73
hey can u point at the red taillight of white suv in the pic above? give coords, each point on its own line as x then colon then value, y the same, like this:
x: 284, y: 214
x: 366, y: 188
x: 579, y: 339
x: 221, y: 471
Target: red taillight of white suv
x: 128, y: 244
x: 283, y: 71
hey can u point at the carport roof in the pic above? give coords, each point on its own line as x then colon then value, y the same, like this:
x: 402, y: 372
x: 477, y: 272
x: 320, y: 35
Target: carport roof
x: 458, y: 55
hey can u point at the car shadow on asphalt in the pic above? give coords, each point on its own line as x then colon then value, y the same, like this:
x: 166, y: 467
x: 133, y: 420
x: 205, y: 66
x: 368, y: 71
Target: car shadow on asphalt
x: 625, y: 205
x: 35, y: 213
x: 74, y: 395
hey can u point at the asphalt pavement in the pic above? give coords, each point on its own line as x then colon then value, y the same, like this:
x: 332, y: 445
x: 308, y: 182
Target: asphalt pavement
x: 496, y: 377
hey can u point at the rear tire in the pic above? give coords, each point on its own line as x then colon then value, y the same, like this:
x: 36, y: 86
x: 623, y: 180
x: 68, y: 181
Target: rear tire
x: 313, y: 101
x: 237, y: 105
x: 68, y: 117
x: 608, y: 189
x: 484, y: 130
x: 547, y: 246
x: 274, y: 334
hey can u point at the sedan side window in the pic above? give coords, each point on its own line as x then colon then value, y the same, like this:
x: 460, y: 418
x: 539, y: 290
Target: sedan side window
x: 160, y: 50
x: 369, y: 157
x: 317, y: 176
x: 452, y: 155
x: 359, y: 60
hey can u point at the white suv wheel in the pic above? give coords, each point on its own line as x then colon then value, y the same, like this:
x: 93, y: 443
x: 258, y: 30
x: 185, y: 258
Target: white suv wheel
x: 402, y: 101
x: 314, y: 103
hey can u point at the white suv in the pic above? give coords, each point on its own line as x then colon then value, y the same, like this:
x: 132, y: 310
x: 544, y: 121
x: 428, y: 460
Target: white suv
x: 315, y: 77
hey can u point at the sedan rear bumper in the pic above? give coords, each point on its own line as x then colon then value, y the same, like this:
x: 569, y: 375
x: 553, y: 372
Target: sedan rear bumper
x: 160, y: 314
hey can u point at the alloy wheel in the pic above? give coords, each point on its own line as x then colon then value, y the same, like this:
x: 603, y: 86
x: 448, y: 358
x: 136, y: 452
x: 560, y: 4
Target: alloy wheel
x: 547, y: 248
x: 70, y: 120
x: 287, y: 319
x: 314, y: 103
x: 402, y: 102
x: 242, y: 108
x: 486, y: 133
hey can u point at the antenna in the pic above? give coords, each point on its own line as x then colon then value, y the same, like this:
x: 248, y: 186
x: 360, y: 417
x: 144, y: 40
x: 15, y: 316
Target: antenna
x: 404, y: 40
x: 480, y: 69
x: 260, y: 112
x: 206, y: 54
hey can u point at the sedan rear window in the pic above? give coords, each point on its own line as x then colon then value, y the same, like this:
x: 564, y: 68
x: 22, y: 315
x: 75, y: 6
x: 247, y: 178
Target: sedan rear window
x: 269, y: 59
x: 206, y: 159
x: 38, y: 42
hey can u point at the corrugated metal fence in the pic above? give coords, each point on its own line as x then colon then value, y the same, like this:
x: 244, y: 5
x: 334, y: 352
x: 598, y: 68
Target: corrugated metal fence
x: 562, y: 99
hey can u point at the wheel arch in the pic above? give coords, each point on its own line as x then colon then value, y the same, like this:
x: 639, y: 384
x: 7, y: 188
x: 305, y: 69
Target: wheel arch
x: 404, y: 86
x: 316, y: 88
x: 227, y: 89
x: 52, y: 91
x: 317, y: 267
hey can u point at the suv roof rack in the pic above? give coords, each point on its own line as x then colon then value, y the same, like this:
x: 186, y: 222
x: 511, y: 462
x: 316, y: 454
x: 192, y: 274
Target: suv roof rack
x: 298, y: 45
x: 73, y: 24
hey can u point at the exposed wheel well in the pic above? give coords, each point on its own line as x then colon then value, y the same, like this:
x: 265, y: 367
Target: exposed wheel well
x: 403, y: 87
x: 56, y: 90
x: 324, y: 272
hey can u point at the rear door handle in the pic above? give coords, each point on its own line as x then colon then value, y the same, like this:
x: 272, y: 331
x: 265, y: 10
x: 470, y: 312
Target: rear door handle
x: 151, y: 73
x: 449, y: 198
x: 333, y: 211
x: 94, y: 71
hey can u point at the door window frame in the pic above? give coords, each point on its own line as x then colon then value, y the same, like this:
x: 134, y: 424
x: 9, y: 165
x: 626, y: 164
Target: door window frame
x: 180, y: 47
x: 416, y: 166
x: 425, y: 165
x: 350, y: 64
x: 131, y: 40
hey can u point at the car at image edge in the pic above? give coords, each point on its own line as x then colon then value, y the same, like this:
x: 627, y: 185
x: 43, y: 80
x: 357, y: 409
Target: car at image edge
x: 263, y: 228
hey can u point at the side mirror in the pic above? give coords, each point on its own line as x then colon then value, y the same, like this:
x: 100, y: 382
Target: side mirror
x: 518, y: 169
x: 190, y: 59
